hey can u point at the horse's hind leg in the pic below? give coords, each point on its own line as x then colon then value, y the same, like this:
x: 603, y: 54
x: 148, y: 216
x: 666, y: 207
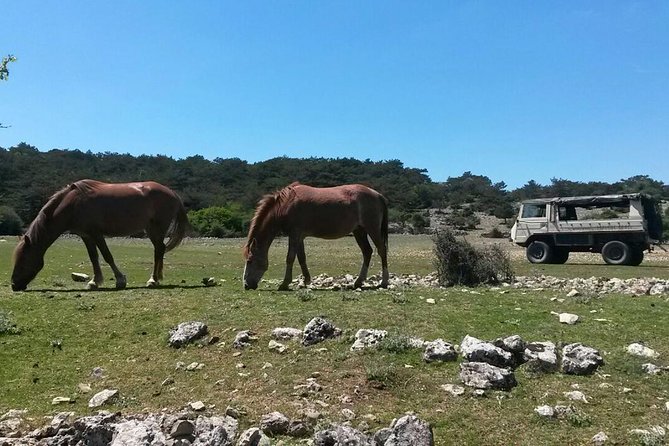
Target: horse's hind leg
x: 302, y: 258
x: 382, y: 248
x: 121, y: 281
x: 158, y: 255
x: 97, y: 279
x: 366, y: 248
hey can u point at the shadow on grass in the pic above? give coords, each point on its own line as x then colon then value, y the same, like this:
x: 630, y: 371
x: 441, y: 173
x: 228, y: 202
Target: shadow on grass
x: 84, y: 290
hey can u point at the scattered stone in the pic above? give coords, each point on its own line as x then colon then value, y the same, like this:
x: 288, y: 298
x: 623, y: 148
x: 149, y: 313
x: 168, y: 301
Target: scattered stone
x: 98, y: 373
x: 317, y: 330
x: 182, y: 428
x: 439, y: 350
x: 102, y: 397
x: 80, y: 277
x: 482, y: 375
x: 197, y: 406
x: 274, y: 423
x: 638, y: 349
x: 243, y: 339
x: 541, y: 357
x: 348, y: 414
x: 167, y: 382
x: 276, y: 346
x: 61, y: 400
x: 211, y: 431
x: 568, y: 318
x: 10, y: 428
x: 652, y: 369
x: 410, y: 431
x: 298, y: 429
x: 573, y: 293
x: 512, y: 344
x: 599, y: 439
x: 83, y: 388
x: 545, y: 411
x: 194, y: 366
x: 381, y: 436
x: 340, y: 435
x: 453, y: 389
x: 286, y: 333
x: 138, y: 432
x: 253, y: 437
x: 186, y: 332
x: 575, y: 395
x: 578, y: 359
x: 367, y: 337
x: 475, y: 350
x: 652, y: 435
x: 429, y: 301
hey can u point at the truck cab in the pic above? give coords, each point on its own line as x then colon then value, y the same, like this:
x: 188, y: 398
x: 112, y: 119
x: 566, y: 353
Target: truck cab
x: 619, y: 227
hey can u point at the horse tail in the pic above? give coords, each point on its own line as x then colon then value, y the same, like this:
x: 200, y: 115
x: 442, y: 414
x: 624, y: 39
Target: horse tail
x: 384, y: 222
x: 178, y: 227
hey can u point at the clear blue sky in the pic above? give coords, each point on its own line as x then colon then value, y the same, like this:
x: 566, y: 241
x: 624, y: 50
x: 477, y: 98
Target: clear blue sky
x: 513, y: 90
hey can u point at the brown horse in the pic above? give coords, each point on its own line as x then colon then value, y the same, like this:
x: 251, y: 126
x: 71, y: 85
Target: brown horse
x: 92, y: 209
x: 331, y: 212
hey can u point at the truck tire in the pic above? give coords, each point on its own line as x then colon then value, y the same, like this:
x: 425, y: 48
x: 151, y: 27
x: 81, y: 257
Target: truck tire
x: 616, y: 252
x: 560, y: 256
x: 637, y: 256
x: 539, y: 252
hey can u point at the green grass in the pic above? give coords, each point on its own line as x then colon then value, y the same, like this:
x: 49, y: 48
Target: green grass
x: 125, y: 333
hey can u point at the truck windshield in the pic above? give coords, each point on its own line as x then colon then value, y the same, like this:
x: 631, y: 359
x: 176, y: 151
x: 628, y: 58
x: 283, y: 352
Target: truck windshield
x: 534, y: 211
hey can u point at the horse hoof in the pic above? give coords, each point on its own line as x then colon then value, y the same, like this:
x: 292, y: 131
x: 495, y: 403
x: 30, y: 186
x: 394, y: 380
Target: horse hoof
x: 152, y: 283
x: 91, y: 286
x: 383, y: 285
x: 120, y: 284
x: 357, y: 285
x: 284, y: 287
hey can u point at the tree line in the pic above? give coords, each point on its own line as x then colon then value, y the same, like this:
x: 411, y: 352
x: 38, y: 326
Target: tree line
x: 231, y: 187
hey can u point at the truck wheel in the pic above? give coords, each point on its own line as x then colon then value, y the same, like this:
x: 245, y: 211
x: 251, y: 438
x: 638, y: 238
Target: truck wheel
x: 560, y: 256
x: 637, y: 257
x: 539, y: 252
x: 616, y: 252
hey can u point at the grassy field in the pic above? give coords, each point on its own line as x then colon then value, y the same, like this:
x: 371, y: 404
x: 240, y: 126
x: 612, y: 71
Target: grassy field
x: 125, y: 333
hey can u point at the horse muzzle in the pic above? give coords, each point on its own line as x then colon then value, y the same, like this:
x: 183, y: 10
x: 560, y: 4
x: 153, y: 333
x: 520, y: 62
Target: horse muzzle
x: 16, y: 287
x: 250, y: 286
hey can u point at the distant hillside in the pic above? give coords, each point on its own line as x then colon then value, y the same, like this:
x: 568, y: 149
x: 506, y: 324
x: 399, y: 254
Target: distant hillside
x: 28, y: 177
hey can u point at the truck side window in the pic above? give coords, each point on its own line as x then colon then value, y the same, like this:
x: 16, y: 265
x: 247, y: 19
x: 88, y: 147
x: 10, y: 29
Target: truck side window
x: 567, y: 213
x: 534, y: 211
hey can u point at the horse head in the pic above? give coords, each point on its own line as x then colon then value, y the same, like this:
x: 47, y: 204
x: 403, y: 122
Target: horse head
x: 28, y: 261
x: 256, y: 264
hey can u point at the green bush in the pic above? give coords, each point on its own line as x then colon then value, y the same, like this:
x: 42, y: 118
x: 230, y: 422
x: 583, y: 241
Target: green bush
x: 10, y: 222
x: 463, y: 218
x: 459, y: 263
x: 494, y: 233
x: 219, y: 221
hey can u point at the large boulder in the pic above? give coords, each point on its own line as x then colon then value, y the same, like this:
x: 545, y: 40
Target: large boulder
x: 541, y: 357
x: 215, y: 431
x: 339, y: 435
x: 275, y: 423
x: 138, y: 433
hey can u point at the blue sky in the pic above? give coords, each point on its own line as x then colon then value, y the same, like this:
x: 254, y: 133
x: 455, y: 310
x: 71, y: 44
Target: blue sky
x: 513, y: 90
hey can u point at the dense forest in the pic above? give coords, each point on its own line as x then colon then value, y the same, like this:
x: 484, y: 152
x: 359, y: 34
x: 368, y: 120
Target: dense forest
x: 233, y: 186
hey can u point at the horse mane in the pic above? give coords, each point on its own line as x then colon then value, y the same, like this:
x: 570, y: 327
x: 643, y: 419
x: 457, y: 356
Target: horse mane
x: 269, y: 208
x: 38, y: 226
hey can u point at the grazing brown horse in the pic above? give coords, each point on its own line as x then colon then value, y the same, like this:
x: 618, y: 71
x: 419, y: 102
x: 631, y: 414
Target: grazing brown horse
x: 301, y: 211
x: 92, y: 209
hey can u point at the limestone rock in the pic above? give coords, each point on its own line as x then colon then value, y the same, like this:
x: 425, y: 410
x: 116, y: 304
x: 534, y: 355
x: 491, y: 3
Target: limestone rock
x: 367, y: 337
x: 439, y: 350
x: 638, y: 349
x: 286, y: 333
x: 317, y: 330
x: 578, y: 359
x: 542, y: 355
x: 410, y: 431
x: 274, y: 423
x: 80, y: 277
x: 102, y: 397
x: 475, y: 350
x: 215, y: 431
x: 186, y: 332
x: 482, y: 375
x: 276, y: 346
x: 340, y: 435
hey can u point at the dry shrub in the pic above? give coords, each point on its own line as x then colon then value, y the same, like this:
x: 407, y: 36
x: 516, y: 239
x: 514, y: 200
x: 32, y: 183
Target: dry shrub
x: 459, y: 263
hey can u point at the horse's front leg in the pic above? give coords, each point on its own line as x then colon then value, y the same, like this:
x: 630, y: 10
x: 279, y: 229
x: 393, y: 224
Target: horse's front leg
x: 97, y: 279
x: 302, y: 258
x: 121, y: 281
x: 290, y: 259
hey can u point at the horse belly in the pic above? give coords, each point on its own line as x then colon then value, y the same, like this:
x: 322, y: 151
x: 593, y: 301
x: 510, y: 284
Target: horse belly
x: 116, y: 218
x: 331, y: 223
